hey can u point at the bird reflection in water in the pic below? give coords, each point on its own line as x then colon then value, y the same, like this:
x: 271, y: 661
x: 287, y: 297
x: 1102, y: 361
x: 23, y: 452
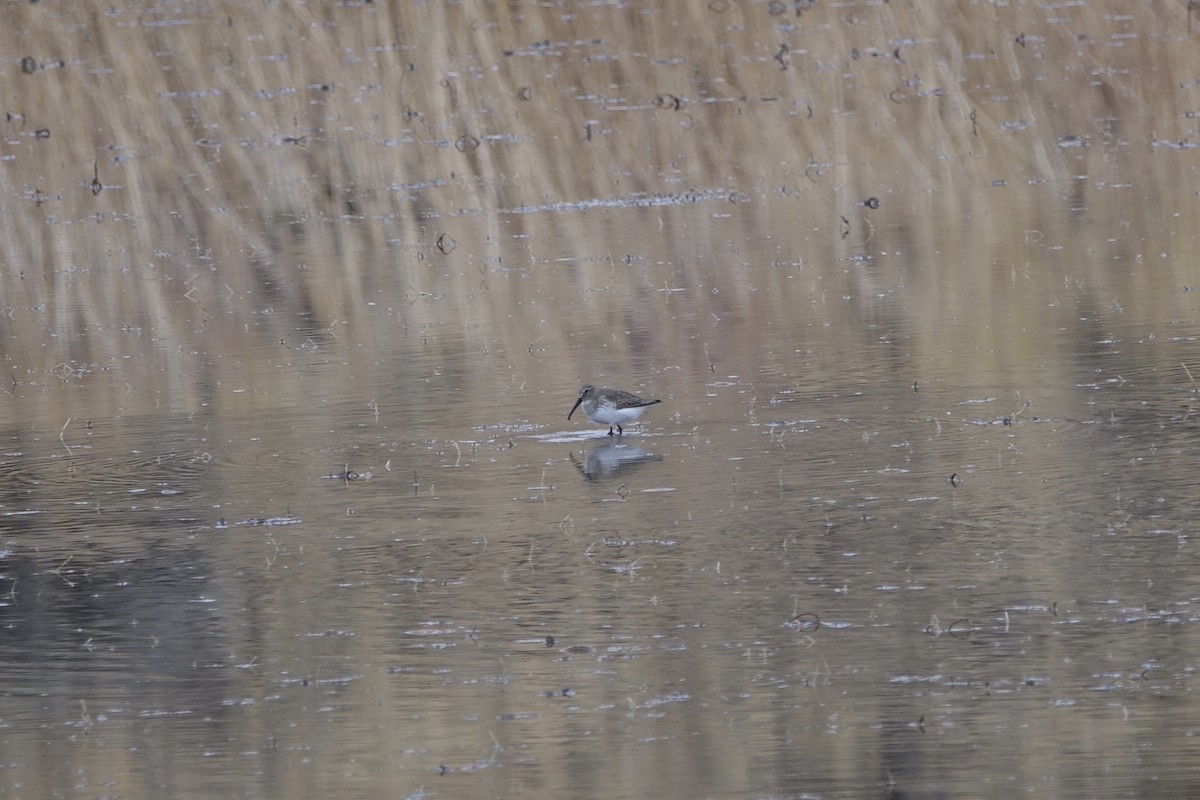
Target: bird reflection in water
x: 611, y: 458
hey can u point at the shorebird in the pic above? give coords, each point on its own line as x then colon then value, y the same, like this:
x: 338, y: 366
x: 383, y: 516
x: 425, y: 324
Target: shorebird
x: 610, y: 407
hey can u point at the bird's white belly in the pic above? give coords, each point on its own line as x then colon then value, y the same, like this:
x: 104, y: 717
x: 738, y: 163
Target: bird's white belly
x: 611, y: 415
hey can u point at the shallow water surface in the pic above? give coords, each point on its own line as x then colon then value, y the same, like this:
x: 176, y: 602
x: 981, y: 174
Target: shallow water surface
x: 291, y: 506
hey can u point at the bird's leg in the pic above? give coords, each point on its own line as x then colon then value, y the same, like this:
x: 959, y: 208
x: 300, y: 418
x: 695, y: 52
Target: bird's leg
x: 610, y: 430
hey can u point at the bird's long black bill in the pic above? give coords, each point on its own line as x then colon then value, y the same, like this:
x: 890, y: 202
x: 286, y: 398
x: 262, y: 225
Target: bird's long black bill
x: 577, y: 402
